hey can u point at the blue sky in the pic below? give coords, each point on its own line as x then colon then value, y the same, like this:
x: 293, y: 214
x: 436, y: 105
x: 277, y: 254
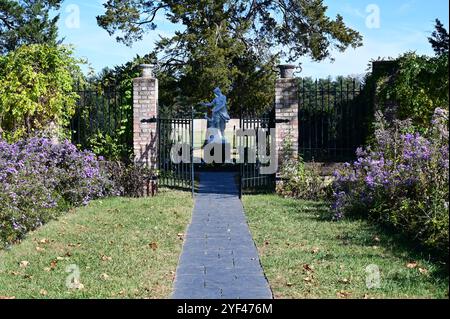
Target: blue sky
x: 403, y: 25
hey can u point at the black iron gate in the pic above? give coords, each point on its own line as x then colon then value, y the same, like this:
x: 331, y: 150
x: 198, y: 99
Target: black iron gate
x: 176, y: 163
x: 252, y: 179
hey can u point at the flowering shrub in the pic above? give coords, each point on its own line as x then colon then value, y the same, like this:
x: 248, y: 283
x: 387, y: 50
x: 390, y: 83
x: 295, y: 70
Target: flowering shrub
x: 401, y: 181
x: 38, y: 178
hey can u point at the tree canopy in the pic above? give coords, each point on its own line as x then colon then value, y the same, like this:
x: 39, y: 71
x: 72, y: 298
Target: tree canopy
x: 439, y: 39
x: 234, y: 44
x: 27, y: 22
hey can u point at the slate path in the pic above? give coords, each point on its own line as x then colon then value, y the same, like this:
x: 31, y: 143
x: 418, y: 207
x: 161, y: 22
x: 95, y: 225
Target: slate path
x: 219, y: 258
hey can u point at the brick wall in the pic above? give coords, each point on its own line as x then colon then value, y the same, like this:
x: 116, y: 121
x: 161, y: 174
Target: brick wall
x: 286, y: 109
x: 145, y: 106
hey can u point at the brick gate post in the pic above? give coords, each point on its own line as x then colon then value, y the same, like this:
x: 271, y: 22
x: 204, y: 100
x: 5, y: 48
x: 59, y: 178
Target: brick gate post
x: 286, y: 109
x: 145, y: 107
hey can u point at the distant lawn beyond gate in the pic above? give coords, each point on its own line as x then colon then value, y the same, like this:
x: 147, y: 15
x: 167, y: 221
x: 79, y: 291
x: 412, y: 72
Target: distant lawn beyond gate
x: 122, y: 248
x: 306, y: 255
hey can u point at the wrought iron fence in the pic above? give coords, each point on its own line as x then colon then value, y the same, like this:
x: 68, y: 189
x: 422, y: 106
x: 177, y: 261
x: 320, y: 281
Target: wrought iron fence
x: 101, y: 112
x: 332, y: 119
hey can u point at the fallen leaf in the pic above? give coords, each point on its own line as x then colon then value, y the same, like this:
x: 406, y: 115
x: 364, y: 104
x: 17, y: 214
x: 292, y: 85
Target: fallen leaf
x: 343, y: 294
x: 375, y: 247
x: 315, y: 250
x: 104, y: 276
x: 28, y: 276
x: 59, y: 258
x: 344, y: 281
x: 308, y: 268
x: 153, y: 246
x: 180, y: 236
x: 106, y: 258
x: 376, y: 239
x: 80, y: 286
x: 39, y: 249
x: 43, y: 292
x: 24, y: 264
x: 307, y: 279
x: 423, y: 271
x: 44, y: 241
x: 53, y: 264
x: 289, y: 284
x: 47, y: 269
x: 411, y: 265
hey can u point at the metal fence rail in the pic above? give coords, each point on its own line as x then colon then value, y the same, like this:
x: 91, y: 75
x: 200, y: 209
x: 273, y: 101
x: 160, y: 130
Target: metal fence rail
x: 174, y: 131
x: 331, y: 119
x: 99, y: 111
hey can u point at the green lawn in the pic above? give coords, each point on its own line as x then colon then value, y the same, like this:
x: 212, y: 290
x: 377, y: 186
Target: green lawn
x: 306, y: 255
x: 123, y: 248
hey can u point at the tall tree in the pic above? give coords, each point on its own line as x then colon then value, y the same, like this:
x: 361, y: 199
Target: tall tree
x: 439, y: 39
x: 27, y: 22
x: 234, y: 44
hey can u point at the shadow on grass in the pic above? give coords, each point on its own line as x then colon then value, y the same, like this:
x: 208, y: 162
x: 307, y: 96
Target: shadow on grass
x: 396, y: 243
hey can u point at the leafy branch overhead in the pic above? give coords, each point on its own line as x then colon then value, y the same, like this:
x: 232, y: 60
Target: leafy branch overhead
x: 301, y: 26
x: 27, y: 22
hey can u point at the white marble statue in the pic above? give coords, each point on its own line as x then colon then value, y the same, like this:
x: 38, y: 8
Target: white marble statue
x: 217, y: 122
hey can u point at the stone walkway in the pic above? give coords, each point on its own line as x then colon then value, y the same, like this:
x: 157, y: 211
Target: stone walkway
x: 219, y: 258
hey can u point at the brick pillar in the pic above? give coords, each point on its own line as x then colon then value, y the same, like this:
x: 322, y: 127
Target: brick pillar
x: 286, y: 109
x: 145, y: 107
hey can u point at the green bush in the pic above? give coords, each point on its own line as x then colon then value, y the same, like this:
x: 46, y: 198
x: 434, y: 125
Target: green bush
x: 297, y: 179
x: 36, y: 89
x: 417, y: 87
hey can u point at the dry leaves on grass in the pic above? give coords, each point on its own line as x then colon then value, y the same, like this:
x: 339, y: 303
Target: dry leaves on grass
x: 105, y: 258
x: 423, y: 271
x: 53, y: 264
x: 343, y: 294
x: 411, y: 265
x: 104, y: 276
x: 344, y: 281
x: 308, y: 268
x: 24, y: 264
x: 153, y: 246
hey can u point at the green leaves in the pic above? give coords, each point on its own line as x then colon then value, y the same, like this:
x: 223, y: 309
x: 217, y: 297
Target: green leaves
x: 36, y: 89
x: 27, y: 22
x: 419, y: 85
x: 231, y: 44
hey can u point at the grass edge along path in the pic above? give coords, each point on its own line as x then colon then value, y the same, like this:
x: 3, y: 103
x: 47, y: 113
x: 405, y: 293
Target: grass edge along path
x: 307, y: 255
x: 112, y: 248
